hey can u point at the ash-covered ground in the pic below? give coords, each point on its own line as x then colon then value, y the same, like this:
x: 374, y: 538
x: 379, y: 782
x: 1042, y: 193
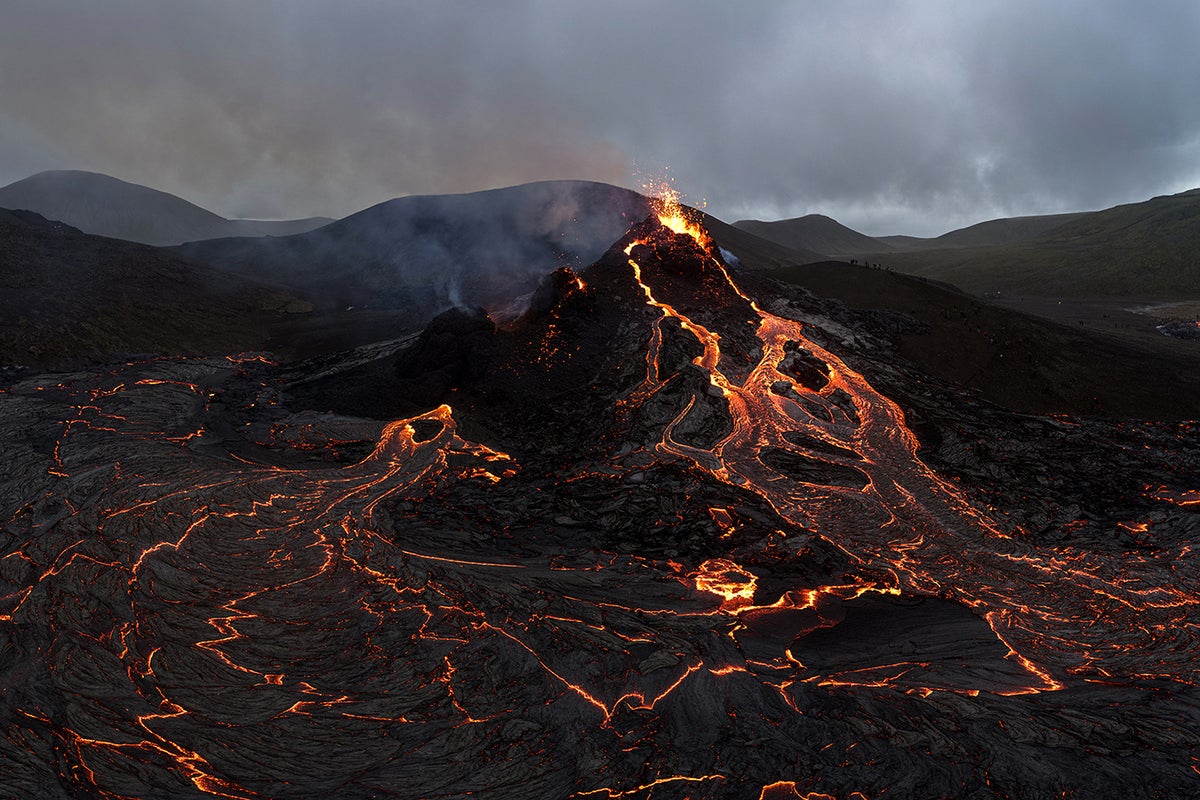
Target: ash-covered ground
x: 674, y: 533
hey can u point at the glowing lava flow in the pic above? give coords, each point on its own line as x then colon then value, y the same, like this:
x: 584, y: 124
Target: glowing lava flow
x: 234, y: 629
x: 907, y: 521
x: 235, y: 550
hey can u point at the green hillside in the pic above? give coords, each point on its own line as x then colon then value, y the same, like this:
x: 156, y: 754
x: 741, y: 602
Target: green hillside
x: 1008, y: 230
x: 1148, y: 249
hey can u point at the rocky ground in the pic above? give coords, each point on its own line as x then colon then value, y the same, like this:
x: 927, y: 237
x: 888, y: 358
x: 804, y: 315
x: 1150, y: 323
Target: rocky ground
x: 655, y: 539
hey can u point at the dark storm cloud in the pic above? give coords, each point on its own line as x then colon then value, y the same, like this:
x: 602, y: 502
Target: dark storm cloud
x: 892, y: 117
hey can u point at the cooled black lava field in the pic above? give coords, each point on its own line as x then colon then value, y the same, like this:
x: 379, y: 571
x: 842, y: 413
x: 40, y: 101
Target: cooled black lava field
x: 673, y: 533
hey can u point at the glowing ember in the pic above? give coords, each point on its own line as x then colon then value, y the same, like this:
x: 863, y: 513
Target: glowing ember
x: 666, y: 203
x: 727, y: 580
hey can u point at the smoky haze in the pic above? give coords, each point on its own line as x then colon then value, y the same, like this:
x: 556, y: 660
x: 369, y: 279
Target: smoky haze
x: 892, y: 117
x: 427, y: 253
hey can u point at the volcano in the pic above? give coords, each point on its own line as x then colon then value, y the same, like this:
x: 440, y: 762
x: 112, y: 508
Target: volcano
x: 675, y: 532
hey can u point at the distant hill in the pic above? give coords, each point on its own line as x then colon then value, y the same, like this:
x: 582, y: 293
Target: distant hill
x: 757, y: 252
x: 105, y: 206
x: 439, y: 250
x: 815, y: 233
x: 428, y: 253
x: 1008, y: 230
x: 1137, y: 250
x: 68, y: 298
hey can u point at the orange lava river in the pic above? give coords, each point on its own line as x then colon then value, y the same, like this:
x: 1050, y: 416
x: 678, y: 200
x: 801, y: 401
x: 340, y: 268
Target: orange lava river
x: 919, y: 527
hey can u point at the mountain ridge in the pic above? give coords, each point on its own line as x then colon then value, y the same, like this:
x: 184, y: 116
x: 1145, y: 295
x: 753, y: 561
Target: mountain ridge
x: 1144, y: 250
x: 1149, y: 249
x: 106, y: 206
x: 478, y: 248
x: 69, y: 298
x: 814, y: 232
x: 1002, y: 230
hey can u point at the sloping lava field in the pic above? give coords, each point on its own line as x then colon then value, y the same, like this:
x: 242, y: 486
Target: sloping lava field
x: 662, y: 537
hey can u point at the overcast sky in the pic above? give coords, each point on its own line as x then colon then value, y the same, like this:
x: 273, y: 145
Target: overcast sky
x: 892, y: 117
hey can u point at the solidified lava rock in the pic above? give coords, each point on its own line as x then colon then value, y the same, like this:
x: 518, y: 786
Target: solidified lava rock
x: 800, y: 364
x: 581, y: 346
x: 551, y: 291
x: 814, y: 470
x: 612, y: 566
x: 452, y: 350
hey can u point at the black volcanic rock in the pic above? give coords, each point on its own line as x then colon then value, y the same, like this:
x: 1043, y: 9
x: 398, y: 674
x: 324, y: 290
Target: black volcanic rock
x: 454, y: 349
x: 577, y: 336
x: 551, y: 291
x: 801, y: 365
x: 68, y: 298
x: 814, y: 470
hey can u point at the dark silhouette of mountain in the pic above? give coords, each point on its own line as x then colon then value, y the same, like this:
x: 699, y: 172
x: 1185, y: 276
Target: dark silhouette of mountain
x: 21, y: 218
x: 397, y: 264
x: 429, y: 253
x: 70, y: 298
x: 815, y: 233
x: 440, y: 250
x: 105, y: 206
x: 1007, y: 230
x: 1138, y: 250
x: 755, y: 251
x: 821, y: 234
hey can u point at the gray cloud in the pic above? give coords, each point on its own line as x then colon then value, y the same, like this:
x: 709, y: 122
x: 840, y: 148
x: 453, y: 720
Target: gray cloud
x: 907, y: 117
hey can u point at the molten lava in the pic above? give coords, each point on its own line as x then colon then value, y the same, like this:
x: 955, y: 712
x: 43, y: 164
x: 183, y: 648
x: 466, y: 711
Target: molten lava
x: 672, y: 216
x: 196, y: 604
x: 905, y: 521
